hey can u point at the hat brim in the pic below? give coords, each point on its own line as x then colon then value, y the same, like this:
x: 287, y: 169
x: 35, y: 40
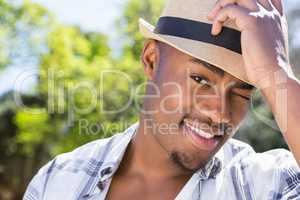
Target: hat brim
x: 227, y: 60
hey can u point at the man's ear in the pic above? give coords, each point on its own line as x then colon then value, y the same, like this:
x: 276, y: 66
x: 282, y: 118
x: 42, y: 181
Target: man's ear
x: 150, y: 58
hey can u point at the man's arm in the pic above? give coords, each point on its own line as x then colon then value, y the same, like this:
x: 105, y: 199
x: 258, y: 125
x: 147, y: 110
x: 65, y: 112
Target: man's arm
x: 264, y: 41
x: 284, y: 98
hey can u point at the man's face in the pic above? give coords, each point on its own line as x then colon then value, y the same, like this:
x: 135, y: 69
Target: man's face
x: 192, y: 108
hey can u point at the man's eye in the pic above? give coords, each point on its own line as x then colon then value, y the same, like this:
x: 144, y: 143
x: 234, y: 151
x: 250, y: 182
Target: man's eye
x: 200, y: 80
x: 243, y: 96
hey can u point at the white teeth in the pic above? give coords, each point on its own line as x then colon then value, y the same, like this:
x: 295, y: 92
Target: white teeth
x: 200, y: 132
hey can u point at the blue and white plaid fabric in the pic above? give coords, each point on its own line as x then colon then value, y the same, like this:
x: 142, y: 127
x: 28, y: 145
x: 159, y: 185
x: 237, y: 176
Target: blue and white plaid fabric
x: 235, y: 173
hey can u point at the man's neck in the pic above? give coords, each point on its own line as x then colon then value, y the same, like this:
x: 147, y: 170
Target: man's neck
x: 147, y: 158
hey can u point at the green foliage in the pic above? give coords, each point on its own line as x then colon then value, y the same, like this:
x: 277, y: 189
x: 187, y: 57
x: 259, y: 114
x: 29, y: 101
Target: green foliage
x: 21, y: 28
x: 69, y: 79
x: 33, y: 129
x: 128, y: 23
x: 78, y: 81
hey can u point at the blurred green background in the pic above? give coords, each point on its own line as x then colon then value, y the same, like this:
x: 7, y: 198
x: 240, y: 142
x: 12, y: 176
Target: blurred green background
x: 41, y: 121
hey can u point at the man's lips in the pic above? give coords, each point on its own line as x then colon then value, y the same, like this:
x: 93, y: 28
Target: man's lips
x: 202, y: 129
x: 199, y: 137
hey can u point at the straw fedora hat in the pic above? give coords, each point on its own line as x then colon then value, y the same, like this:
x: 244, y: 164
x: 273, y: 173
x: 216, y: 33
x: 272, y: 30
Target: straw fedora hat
x: 184, y: 26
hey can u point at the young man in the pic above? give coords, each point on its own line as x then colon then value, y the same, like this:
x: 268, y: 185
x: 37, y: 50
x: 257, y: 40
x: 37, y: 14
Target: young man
x: 200, y: 79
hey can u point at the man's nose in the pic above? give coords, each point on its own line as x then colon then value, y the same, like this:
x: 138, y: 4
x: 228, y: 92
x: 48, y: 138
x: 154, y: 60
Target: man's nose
x: 217, y: 107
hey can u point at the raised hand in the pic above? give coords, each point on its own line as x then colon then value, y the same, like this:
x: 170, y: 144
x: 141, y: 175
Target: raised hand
x: 264, y: 35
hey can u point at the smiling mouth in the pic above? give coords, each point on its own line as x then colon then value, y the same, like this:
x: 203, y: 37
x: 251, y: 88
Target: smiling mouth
x: 199, y: 137
x: 199, y: 128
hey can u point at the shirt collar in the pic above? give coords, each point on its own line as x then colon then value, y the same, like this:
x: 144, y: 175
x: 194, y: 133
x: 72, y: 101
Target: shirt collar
x: 213, y: 167
x: 115, y: 156
x: 118, y: 145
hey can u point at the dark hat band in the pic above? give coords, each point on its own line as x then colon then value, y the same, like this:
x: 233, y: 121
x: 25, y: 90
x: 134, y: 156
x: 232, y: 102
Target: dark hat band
x: 199, y: 31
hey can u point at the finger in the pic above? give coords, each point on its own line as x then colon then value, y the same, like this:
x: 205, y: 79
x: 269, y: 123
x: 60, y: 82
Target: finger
x: 218, y: 6
x: 266, y: 4
x: 232, y: 12
x: 278, y: 5
x: 250, y: 4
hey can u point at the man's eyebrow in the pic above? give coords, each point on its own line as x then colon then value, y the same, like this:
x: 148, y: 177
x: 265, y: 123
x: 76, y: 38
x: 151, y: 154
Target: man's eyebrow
x: 245, y: 86
x: 221, y: 72
x: 210, y: 67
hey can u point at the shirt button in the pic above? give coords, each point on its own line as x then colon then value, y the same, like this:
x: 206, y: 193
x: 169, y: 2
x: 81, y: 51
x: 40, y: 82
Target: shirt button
x: 106, y: 171
x: 101, y: 185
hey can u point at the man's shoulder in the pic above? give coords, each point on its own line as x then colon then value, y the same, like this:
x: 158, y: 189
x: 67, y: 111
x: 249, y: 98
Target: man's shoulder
x: 97, y: 150
x: 238, y: 146
x: 91, y: 150
x: 243, y: 154
x: 276, y: 169
x: 235, y: 150
x: 276, y: 162
x: 77, y: 166
x: 82, y: 160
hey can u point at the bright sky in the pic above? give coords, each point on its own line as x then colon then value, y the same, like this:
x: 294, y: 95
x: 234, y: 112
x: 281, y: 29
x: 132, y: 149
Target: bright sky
x: 95, y: 15
x: 91, y: 15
